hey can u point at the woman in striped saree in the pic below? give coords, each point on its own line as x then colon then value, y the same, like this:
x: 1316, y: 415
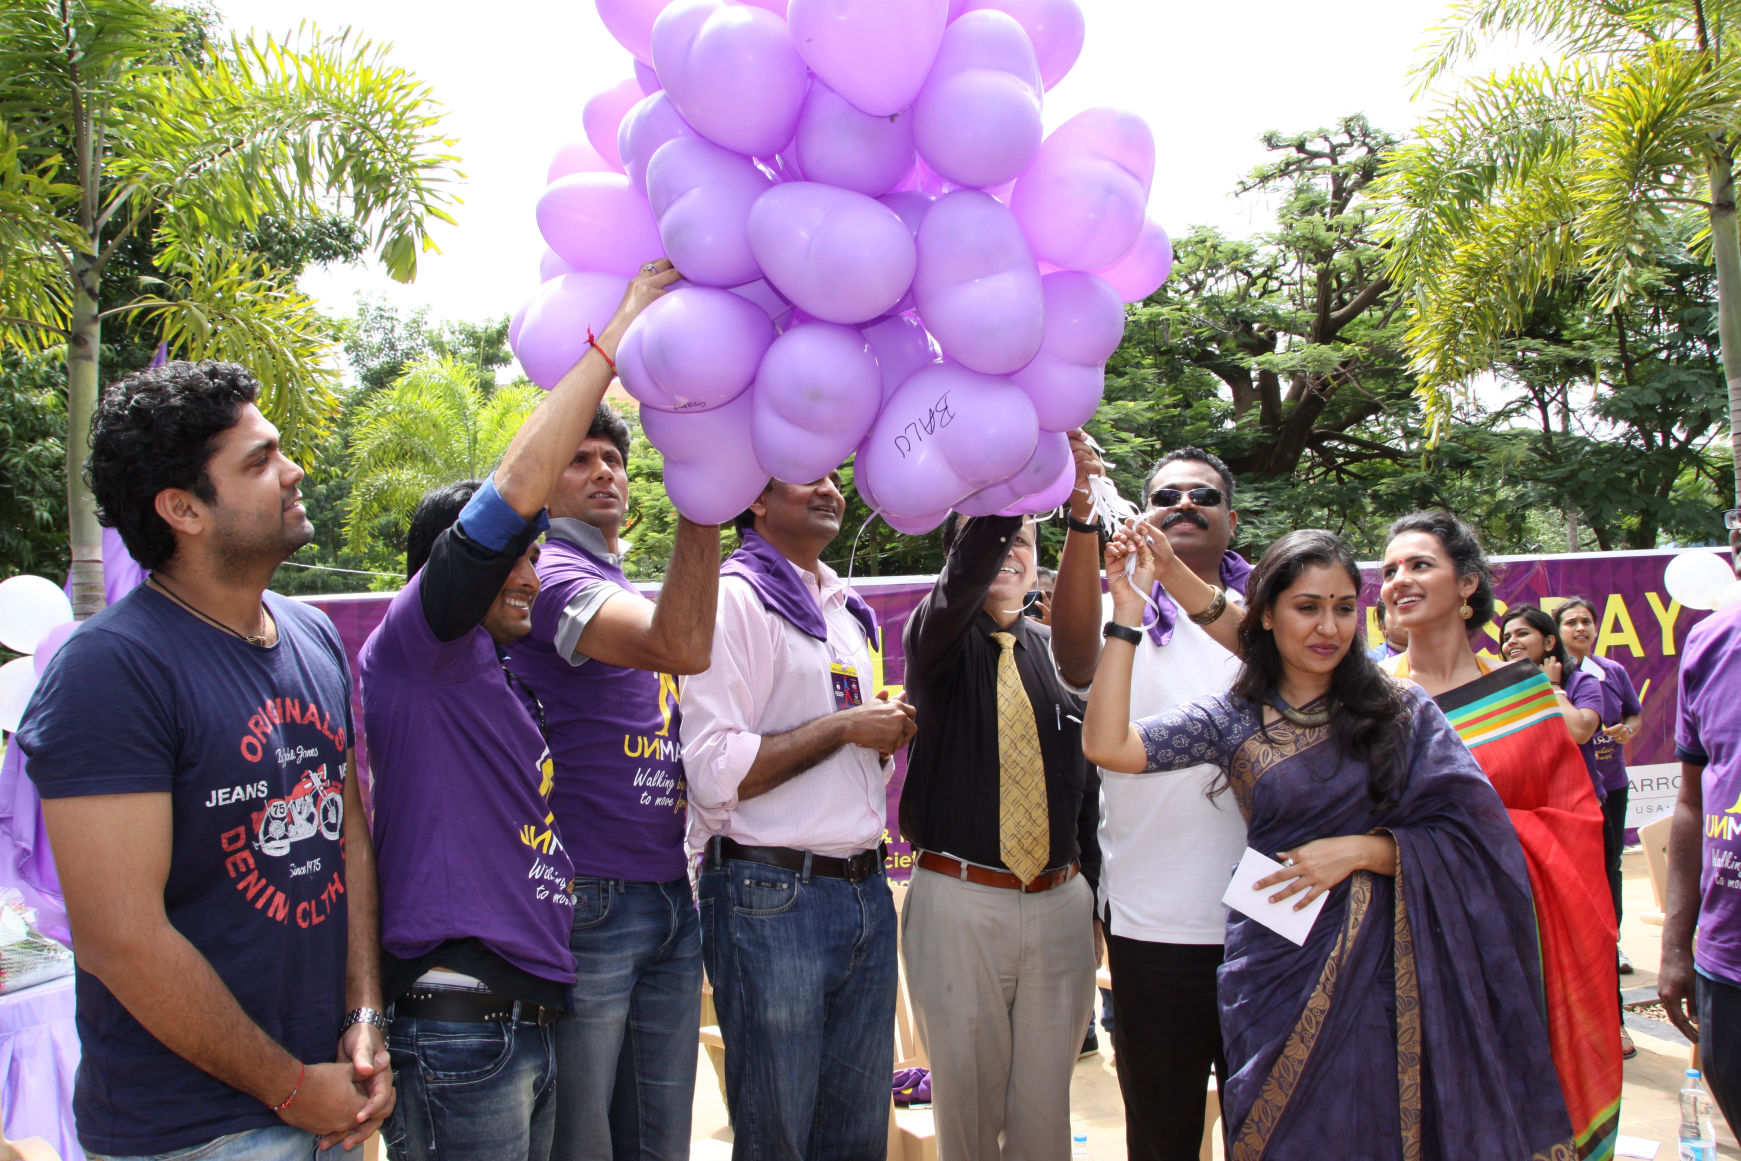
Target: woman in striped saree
x: 1438, y: 586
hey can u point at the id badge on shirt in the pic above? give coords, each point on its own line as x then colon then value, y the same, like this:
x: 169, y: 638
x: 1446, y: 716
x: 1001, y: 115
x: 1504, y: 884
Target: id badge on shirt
x: 846, y: 687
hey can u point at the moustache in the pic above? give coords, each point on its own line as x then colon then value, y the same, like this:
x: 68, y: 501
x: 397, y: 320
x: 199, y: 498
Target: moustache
x: 1192, y: 517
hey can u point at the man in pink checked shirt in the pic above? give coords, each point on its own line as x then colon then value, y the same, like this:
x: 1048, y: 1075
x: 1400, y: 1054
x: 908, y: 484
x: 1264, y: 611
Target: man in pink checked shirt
x: 787, y: 756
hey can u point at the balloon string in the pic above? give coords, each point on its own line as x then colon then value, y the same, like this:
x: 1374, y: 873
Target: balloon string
x: 1114, y: 510
x: 852, y: 558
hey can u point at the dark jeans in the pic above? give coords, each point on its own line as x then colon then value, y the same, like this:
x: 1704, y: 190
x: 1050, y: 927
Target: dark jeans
x: 626, y: 1054
x: 1614, y: 839
x: 804, y: 973
x: 471, y: 1091
x: 1719, y: 1007
x: 1166, y: 1033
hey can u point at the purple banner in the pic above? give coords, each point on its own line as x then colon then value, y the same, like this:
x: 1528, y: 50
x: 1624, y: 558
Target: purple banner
x: 1638, y: 625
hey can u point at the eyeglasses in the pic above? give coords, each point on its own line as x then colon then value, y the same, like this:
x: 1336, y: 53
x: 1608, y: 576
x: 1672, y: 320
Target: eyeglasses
x: 1732, y: 518
x: 1202, y: 497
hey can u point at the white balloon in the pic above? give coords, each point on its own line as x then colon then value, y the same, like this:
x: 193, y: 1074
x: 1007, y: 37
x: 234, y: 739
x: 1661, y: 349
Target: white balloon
x: 1730, y: 595
x: 1696, y: 578
x: 17, y: 683
x: 29, y: 607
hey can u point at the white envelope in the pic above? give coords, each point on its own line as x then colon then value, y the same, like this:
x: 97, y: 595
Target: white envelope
x: 1280, y: 918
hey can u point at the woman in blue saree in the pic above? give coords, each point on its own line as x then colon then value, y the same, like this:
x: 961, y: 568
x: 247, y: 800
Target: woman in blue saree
x: 1410, y: 1024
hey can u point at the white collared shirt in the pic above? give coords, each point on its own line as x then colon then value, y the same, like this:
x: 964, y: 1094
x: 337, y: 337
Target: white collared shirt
x: 769, y: 677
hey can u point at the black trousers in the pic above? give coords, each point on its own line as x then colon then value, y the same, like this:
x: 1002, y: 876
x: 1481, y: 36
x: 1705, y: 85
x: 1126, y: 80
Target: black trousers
x: 1719, y: 1007
x: 1614, y: 839
x: 1166, y: 1031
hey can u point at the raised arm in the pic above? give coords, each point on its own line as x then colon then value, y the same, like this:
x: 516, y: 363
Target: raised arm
x: 544, y: 445
x: 1076, y: 616
x: 937, y: 627
x: 1109, y: 738
x: 673, y: 634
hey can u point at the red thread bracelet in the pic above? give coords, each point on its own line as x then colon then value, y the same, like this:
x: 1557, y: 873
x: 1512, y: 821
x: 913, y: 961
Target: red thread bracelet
x: 593, y: 343
x: 302, y: 1071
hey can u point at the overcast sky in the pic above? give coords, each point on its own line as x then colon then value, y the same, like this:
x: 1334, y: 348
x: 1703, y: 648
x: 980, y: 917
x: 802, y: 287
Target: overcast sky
x: 1210, y: 76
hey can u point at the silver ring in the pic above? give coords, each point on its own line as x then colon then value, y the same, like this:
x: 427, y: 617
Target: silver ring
x: 650, y: 268
x: 1288, y: 863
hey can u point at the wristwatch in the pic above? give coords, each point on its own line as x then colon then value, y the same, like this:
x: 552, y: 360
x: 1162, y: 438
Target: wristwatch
x: 362, y: 1016
x: 1213, y: 613
x: 1122, y: 632
x: 1082, y: 525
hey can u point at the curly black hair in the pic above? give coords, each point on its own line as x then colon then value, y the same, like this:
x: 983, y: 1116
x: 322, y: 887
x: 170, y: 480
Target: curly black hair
x: 1369, y: 715
x: 1195, y: 455
x: 607, y: 424
x: 156, y: 430
x: 1461, y: 545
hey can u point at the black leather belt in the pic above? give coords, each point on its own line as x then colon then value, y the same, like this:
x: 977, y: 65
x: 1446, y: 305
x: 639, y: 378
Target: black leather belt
x: 472, y: 1008
x: 854, y: 868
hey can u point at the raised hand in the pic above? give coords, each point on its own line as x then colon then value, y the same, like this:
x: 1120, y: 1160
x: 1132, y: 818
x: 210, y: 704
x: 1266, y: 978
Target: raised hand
x: 1130, y: 586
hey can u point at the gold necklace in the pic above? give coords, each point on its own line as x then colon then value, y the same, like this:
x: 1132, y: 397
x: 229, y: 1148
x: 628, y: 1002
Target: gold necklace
x: 1305, y: 719
x: 265, y: 618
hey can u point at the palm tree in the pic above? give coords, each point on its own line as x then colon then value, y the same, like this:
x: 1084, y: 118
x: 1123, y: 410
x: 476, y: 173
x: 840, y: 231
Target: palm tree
x: 434, y: 425
x: 1582, y: 166
x: 128, y: 119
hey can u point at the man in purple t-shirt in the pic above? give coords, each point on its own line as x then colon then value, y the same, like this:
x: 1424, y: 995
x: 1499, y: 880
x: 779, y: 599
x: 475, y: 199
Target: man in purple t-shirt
x: 476, y: 882
x: 1702, y: 990
x: 604, y: 661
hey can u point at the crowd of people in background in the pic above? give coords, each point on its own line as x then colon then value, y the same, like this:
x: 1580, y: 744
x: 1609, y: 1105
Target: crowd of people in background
x: 585, y: 801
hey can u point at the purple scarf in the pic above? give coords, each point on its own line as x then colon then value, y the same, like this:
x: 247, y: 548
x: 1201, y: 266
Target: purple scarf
x: 1165, y: 614
x: 776, y: 582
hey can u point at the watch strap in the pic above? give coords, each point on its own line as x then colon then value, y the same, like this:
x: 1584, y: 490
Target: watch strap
x: 362, y: 1016
x: 1122, y: 632
x: 1082, y: 525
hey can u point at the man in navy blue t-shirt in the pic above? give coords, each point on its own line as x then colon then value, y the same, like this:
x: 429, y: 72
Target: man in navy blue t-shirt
x: 192, y: 747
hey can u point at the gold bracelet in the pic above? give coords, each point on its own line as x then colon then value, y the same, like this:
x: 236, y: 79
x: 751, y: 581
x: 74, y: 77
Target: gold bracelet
x: 1212, y: 614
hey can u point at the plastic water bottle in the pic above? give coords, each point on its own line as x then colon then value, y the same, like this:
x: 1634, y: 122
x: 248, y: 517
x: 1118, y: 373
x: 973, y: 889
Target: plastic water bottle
x: 1698, y: 1137
x: 1079, y: 1147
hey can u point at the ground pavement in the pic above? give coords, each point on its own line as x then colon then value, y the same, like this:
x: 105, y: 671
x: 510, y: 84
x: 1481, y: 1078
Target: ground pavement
x: 1649, y: 1108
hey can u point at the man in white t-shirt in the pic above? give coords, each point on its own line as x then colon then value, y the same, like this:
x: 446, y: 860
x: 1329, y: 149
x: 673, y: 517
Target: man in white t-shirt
x: 1169, y: 849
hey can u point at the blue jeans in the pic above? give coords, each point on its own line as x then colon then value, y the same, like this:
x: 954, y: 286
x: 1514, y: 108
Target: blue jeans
x: 471, y: 1090
x: 274, y: 1143
x: 626, y: 1055
x: 804, y: 973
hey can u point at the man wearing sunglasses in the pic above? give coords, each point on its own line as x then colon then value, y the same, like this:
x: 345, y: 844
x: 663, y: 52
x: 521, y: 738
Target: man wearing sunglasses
x: 1168, y: 850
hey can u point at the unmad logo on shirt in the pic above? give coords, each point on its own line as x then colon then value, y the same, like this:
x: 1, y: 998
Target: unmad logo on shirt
x: 276, y: 712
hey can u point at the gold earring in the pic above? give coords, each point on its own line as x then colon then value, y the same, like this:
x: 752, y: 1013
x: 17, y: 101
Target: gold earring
x: 1465, y: 612
x: 1266, y: 623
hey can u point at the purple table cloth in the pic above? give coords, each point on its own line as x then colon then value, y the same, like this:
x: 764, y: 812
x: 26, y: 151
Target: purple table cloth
x: 39, y: 1053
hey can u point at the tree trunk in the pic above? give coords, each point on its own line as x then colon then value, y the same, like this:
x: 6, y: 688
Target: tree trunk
x: 1726, y: 247
x: 82, y: 353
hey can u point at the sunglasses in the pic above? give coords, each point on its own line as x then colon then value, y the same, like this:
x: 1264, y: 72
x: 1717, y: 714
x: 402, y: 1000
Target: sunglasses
x: 1202, y: 497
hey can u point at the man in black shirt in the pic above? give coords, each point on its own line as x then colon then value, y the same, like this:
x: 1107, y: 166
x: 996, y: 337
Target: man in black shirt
x: 1003, y: 808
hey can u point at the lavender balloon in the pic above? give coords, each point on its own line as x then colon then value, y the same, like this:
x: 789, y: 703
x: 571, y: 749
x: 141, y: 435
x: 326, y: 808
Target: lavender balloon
x: 874, y: 53
x: 1084, y: 323
x: 701, y: 195
x: 710, y: 474
x: 552, y: 333
x: 901, y: 345
x: 647, y: 78
x: 631, y: 23
x: 552, y: 265
x: 693, y: 349
x: 603, y: 114
x: 648, y: 125
x: 1082, y: 201
x: 1144, y: 269
x: 839, y: 145
x: 945, y: 433
x: 977, y: 120
x: 977, y: 287
x: 910, y: 206
x: 837, y: 255
x: 596, y: 222
x: 915, y: 526
x: 815, y: 396
x: 769, y: 299
x: 576, y: 157
x: 1031, y: 482
x: 1055, y: 28
x: 731, y: 73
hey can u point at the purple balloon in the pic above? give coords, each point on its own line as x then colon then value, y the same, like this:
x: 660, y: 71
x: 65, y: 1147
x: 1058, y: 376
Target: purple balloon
x: 816, y: 395
x: 576, y: 157
x: 916, y: 526
x: 839, y: 145
x: 1084, y: 323
x: 603, y: 115
x: 839, y: 256
x: 516, y: 321
x: 731, y: 72
x: 631, y: 23
x: 595, y: 221
x: 769, y: 299
x: 1055, y: 27
x: 51, y: 643
x: 1082, y: 201
x: 721, y: 479
x: 552, y: 335
x: 1144, y: 269
x: 693, y: 349
x: 901, y: 346
x: 923, y: 180
x: 701, y: 195
x: 1033, y: 481
x: 946, y: 432
x: 976, y: 287
x: 552, y: 265
x: 874, y: 53
x: 977, y: 120
x: 648, y: 125
x: 910, y: 206
x: 1055, y: 495
x: 647, y: 78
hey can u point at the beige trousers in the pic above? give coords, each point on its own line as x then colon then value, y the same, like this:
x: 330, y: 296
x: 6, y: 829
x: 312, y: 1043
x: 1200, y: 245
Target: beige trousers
x: 1002, y: 985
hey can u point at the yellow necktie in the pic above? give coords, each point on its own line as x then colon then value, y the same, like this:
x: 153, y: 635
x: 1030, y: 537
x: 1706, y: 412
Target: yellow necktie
x: 1024, y: 831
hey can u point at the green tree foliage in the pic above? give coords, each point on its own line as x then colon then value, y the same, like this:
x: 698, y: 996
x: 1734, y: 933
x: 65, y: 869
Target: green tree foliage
x: 126, y: 122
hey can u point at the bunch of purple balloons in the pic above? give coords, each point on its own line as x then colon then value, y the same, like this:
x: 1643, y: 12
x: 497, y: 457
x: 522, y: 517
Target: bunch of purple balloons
x: 882, y: 253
